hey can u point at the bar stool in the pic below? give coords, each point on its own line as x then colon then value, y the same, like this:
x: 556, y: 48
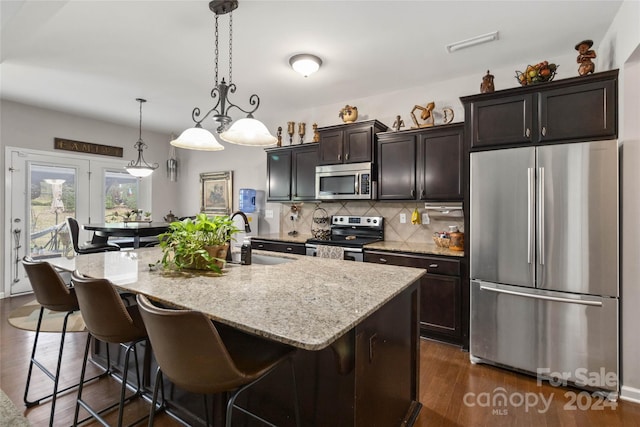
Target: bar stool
x: 53, y: 294
x: 219, y: 360
x: 108, y: 320
x: 89, y: 248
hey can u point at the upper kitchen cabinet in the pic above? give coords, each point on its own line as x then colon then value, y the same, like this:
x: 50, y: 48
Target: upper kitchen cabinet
x: 291, y: 173
x: 568, y: 110
x: 421, y: 164
x: 348, y: 143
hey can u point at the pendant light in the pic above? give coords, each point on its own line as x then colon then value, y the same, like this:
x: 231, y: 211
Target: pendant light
x: 247, y: 131
x: 140, y: 168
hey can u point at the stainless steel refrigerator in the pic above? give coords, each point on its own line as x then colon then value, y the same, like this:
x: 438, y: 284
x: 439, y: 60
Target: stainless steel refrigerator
x: 544, y: 261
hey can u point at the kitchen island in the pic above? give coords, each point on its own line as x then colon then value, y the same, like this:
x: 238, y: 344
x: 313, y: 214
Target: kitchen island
x: 355, y: 325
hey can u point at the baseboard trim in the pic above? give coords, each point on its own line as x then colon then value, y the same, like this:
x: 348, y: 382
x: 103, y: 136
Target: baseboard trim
x: 630, y: 394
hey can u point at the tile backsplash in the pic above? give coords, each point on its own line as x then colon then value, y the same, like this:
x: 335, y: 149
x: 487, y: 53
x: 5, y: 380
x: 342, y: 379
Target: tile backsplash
x: 394, y: 230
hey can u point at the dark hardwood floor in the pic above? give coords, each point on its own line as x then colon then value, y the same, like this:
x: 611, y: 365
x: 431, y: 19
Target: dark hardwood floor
x: 453, y: 391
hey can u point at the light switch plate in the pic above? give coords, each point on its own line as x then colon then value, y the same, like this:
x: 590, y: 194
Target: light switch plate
x: 268, y: 213
x: 425, y: 218
x: 403, y: 218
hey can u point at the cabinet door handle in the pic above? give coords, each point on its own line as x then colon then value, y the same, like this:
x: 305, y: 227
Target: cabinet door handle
x: 422, y: 194
x: 413, y: 193
x: 346, y: 156
x: 289, y: 249
x: 382, y: 260
x: 339, y: 156
x: 544, y: 131
x: 260, y: 246
x: 433, y: 265
x: 527, y: 132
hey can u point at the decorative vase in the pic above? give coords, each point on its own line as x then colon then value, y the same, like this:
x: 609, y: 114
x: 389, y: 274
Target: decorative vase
x: 349, y: 114
x: 218, y: 251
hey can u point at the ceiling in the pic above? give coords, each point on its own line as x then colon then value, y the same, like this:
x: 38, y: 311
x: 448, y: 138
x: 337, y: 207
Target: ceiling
x: 94, y: 58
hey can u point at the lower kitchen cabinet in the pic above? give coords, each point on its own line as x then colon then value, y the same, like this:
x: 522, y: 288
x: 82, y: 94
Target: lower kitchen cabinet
x: 441, y: 302
x: 278, y: 246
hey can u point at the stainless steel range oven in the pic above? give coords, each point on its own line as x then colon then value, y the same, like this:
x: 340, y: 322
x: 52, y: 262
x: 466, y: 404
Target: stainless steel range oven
x: 350, y: 233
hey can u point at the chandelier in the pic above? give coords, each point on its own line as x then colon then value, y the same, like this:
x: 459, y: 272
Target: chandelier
x: 246, y: 131
x: 140, y: 167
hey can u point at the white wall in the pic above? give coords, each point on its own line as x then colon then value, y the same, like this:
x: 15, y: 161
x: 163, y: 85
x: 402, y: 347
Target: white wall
x: 620, y: 48
x: 33, y: 127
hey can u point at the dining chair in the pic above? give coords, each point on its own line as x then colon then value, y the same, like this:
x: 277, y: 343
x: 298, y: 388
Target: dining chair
x: 109, y: 320
x: 220, y: 358
x: 52, y: 294
x: 89, y: 248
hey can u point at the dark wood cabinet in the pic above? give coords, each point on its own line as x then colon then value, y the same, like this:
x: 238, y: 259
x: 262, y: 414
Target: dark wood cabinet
x: 396, y: 166
x: 348, y: 143
x: 279, y: 175
x: 303, y: 172
x: 422, y: 164
x: 441, y: 302
x: 568, y: 110
x: 291, y: 173
x: 278, y: 246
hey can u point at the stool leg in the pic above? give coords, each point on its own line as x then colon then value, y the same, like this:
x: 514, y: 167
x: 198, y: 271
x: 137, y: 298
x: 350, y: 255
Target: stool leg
x: 154, y: 399
x: 84, y: 368
x: 31, y: 362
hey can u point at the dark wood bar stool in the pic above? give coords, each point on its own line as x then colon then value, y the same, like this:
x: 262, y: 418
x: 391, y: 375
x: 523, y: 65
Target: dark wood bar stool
x: 218, y: 361
x: 52, y: 294
x: 89, y: 248
x: 109, y: 320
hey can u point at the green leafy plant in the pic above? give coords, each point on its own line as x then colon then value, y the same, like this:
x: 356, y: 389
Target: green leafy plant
x: 185, y: 244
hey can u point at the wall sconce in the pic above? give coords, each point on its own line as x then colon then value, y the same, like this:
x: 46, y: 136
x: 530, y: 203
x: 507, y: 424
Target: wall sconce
x: 172, y: 163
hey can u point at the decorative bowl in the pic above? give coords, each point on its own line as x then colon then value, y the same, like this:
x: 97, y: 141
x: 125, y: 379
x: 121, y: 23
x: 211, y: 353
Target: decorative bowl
x: 540, y: 73
x: 441, y: 242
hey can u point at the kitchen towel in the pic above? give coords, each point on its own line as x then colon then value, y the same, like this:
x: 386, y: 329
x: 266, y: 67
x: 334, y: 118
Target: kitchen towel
x: 333, y: 252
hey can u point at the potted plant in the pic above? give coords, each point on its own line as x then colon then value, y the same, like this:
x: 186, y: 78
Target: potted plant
x: 201, y: 243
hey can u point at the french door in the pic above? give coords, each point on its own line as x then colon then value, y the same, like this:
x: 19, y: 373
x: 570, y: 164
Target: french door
x: 44, y: 188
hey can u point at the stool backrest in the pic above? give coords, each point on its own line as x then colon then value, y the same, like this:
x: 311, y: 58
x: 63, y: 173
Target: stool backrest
x: 50, y: 290
x: 74, y: 231
x: 189, y: 349
x: 104, y: 313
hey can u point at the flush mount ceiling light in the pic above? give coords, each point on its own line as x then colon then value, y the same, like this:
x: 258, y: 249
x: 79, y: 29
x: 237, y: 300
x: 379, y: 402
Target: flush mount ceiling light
x: 305, y: 63
x: 140, y: 167
x: 247, y: 131
x: 473, y: 41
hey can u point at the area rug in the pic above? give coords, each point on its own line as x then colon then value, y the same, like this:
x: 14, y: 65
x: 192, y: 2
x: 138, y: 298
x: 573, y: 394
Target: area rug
x: 10, y: 415
x: 26, y: 317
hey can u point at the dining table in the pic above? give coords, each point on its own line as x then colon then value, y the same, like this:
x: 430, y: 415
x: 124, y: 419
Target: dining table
x: 134, y: 229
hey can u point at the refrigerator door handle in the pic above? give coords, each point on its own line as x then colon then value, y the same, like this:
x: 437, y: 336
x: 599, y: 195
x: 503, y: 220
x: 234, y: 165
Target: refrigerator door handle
x: 541, y: 216
x: 530, y: 195
x: 542, y: 297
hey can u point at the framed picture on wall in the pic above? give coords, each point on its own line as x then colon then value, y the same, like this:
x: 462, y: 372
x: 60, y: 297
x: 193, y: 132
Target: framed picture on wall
x: 216, y: 192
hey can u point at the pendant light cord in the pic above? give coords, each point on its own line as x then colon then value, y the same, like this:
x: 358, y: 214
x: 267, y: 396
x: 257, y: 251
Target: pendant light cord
x: 216, y: 51
x: 230, y: 46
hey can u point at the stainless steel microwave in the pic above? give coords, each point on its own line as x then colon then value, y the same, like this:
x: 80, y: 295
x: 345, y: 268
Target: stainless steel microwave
x: 350, y: 181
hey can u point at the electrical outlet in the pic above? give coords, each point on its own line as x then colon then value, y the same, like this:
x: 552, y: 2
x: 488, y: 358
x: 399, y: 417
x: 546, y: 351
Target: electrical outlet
x: 425, y: 218
x: 293, y: 216
x: 403, y: 218
x: 268, y: 213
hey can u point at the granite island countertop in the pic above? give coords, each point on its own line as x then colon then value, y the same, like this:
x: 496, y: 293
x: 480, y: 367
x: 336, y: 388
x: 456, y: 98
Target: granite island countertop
x: 308, y: 303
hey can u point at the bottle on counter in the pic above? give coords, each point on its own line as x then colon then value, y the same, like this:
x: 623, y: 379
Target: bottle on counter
x: 456, y: 242
x: 245, y: 252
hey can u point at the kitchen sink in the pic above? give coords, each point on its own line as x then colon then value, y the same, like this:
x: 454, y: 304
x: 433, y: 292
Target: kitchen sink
x: 269, y: 260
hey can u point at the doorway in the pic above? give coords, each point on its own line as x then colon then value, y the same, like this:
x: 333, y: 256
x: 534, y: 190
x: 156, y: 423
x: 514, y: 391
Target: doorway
x: 44, y: 188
